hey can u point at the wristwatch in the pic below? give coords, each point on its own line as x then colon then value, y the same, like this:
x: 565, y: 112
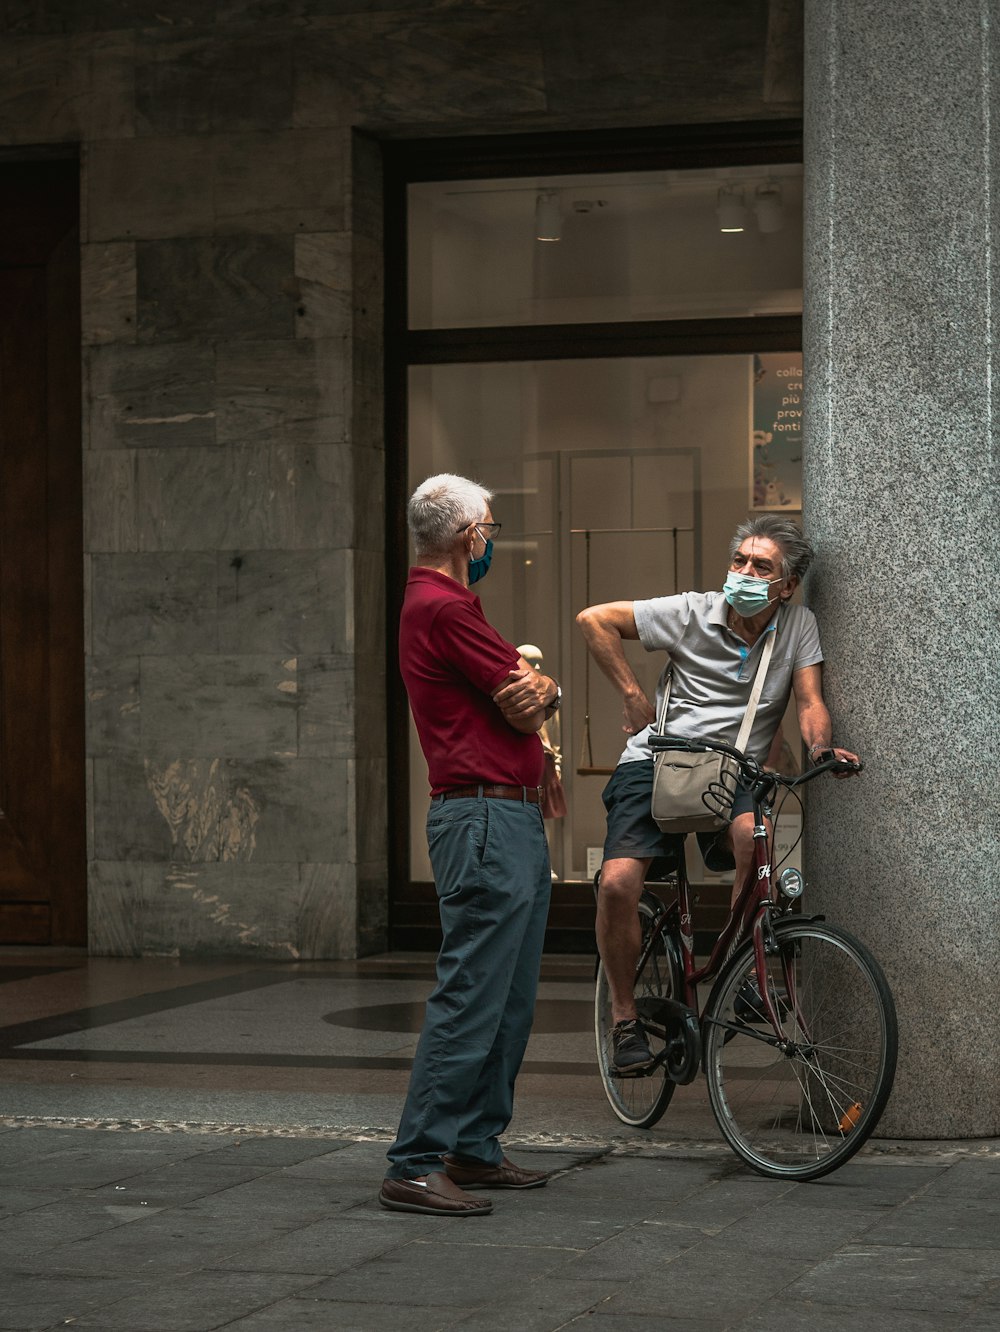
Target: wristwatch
x: 556, y: 702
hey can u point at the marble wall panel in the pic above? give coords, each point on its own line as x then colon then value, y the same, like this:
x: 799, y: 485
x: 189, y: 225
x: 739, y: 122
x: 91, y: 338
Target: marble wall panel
x: 327, y: 727
x: 219, y: 909
x: 115, y: 909
x: 112, y: 705
x: 369, y: 513
x: 369, y: 602
x: 207, y: 815
x: 369, y: 697
x: 656, y: 62
x: 108, y: 293
x: 29, y: 16
x: 190, y: 82
x: 246, y: 498
x: 139, y: 190
x: 110, y: 499
x: 323, y: 278
x: 66, y: 89
x: 140, y: 397
x: 282, y: 392
x: 439, y: 66
x: 370, y: 787
x: 154, y: 604
x: 203, y: 705
x: 304, y: 807
x: 127, y: 825
x: 287, y: 602
x: 233, y: 288
x: 287, y: 182
x: 327, y: 911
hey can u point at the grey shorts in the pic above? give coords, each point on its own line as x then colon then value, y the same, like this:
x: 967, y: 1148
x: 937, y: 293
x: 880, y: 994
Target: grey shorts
x: 633, y: 835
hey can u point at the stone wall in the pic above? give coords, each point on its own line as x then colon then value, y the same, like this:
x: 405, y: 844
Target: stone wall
x: 233, y: 451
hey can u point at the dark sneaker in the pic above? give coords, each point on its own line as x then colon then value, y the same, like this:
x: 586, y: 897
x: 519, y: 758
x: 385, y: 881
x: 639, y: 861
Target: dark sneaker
x: 748, y: 1005
x: 631, y: 1052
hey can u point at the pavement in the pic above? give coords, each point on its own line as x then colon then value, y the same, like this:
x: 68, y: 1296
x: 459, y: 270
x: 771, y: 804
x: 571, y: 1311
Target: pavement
x: 190, y: 1146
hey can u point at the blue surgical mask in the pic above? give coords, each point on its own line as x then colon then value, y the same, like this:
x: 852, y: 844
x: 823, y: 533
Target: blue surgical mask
x: 481, y: 567
x: 747, y: 595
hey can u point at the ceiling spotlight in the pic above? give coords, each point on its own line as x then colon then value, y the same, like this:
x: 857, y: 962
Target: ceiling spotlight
x: 548, y: 216
x: 731, y: 210
x: 768, y: 208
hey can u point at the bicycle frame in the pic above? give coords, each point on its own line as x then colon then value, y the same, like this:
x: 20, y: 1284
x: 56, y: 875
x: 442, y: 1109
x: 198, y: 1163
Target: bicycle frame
x: 749, y: 914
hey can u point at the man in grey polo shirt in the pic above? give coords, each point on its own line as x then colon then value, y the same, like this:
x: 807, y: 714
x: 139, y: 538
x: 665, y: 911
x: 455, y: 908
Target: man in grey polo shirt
x: 714, y: 641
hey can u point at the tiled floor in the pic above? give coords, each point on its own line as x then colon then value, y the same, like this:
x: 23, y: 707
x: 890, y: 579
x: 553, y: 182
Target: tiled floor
x: 322, y: 1045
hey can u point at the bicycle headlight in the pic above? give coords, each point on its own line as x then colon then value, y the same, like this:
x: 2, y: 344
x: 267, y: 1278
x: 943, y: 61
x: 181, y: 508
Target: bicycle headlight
x: 790, y: 882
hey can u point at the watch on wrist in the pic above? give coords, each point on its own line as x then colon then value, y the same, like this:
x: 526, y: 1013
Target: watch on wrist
x: 556, y: 702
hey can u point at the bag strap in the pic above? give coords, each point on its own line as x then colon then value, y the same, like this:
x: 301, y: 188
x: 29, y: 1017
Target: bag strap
x: 758, y: 685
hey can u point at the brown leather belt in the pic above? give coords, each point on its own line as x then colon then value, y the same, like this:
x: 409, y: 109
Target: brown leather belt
x: 530, y: 795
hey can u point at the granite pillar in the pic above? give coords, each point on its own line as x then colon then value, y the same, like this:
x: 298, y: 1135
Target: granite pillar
x: 902, y: 107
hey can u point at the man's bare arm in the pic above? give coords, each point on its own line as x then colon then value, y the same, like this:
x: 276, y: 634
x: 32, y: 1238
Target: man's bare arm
x: 523, y: 698
x: 814, y: 717
x: 605, y: 629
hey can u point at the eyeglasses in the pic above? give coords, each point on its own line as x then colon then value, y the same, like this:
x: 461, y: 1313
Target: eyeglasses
x: 491, y: 530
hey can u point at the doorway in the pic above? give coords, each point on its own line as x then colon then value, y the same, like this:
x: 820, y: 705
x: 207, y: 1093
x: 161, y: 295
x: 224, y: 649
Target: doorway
x: 42, y: 786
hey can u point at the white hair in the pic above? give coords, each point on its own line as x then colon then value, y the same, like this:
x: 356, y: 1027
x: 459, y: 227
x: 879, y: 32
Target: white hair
x: 441, y: 507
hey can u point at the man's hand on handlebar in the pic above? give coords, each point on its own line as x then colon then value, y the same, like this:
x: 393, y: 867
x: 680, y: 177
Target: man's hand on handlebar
x: 842, y: 756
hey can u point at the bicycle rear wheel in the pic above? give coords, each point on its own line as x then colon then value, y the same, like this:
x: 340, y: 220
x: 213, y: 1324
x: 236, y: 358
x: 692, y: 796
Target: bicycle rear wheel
x: 641, y: 1100
x: 800, y: 1113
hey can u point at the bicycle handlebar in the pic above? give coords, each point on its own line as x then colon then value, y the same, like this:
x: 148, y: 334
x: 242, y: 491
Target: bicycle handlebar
x: 750, y: 769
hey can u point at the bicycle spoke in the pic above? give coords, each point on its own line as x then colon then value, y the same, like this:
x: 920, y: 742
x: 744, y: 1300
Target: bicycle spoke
x: 800, y: 1106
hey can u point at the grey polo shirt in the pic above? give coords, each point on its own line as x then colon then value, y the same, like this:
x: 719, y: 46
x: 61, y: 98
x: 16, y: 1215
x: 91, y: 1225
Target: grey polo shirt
x: 714, y: 668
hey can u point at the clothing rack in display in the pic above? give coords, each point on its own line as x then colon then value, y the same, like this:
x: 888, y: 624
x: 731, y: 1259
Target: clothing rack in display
x: 586, y: 767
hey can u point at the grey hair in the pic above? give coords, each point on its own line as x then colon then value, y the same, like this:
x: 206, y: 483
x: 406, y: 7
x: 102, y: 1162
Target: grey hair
x: 796, y: 550
x: 440, y: 507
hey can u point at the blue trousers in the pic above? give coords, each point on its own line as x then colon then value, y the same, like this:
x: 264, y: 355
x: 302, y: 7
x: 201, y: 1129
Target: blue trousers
x: 491, y: 867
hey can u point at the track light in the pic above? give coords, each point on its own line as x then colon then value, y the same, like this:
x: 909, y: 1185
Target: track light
x: 548, y: 216
x: 731, y: 210
x: 768, y: 208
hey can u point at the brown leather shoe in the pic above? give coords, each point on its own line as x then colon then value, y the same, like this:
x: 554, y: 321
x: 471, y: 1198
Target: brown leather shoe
x: 479, y: 1175
x: 434, y: 1195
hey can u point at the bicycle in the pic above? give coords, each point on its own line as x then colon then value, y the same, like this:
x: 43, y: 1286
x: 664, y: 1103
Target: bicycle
x: 798, y: 1036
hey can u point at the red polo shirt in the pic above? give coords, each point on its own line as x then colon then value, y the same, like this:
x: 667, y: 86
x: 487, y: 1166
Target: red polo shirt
x: 451, y: 660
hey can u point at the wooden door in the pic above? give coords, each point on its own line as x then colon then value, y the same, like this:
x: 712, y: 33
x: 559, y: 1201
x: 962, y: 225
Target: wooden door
x: 42, y: 788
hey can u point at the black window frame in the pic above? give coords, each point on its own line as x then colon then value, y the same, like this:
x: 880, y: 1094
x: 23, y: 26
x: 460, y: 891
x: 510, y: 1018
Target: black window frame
x: 507, y: 156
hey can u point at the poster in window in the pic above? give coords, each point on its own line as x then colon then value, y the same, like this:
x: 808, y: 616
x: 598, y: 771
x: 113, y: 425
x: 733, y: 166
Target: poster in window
x: 776, y: 441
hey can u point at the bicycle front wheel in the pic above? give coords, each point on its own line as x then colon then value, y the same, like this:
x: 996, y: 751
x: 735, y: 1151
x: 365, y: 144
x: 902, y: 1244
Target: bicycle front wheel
x: 641, y: 1100
x: 801, y: 1111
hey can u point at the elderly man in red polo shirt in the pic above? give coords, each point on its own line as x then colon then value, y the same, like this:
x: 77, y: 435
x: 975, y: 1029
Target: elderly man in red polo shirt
x: 478, y: 706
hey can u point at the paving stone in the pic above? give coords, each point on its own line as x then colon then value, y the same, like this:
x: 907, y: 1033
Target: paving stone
x: 83, y: 1167
x: 194, y: 1302
x: 179, y: 1182
x: 272, y: 1151
x: 947, y: 1222
x: 884, y: 1277
x: 422, y: 1274
x: 33, y: 1300
x: 327, y: 1247
x: 785, y: 1315
x: 304, y: 1313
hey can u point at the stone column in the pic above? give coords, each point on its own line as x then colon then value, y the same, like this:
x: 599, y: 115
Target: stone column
x: 902, y: 310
